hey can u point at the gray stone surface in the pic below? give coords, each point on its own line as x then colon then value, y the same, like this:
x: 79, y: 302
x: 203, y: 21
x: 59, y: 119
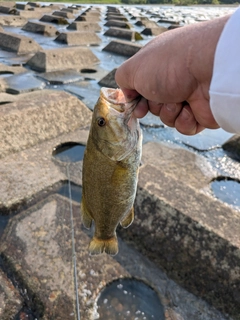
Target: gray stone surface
x: 54, y: 19
x: 13, y: 21
x: 41, y: 28
x: 10, y: 299
x: 75, y: 38
x: 121, y: 33
x: 22, y: 82
x: 30, y: 120
x: 154, y: 31
x: 64, y: 14
x: 116, y: 17
x: 62, y: 76
x: 84, y: 26
x: 57, y: 59
x: 232, y: 147
x: 109, y: 80
x: 18, y: 43
x: 194, y: 237
x: 117, y: 23
x: 123, y: 48
x: 37, y: 248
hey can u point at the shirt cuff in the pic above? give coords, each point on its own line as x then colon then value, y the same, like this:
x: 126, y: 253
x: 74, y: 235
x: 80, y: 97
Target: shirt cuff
x: 225, y: 84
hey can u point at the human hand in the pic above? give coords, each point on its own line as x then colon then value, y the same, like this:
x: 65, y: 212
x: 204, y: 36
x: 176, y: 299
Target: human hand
x: 173, y: 73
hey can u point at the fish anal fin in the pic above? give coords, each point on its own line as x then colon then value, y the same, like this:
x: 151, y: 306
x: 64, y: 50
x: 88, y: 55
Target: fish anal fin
x: 98, y: 246
x: 86, y: 219
x: 127, y: 221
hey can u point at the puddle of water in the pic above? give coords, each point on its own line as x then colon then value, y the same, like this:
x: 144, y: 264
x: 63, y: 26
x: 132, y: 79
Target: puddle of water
x: 69, y: 152
x: 227, y: 190
x: 3, y: 223
x: 129, y: 299
x: 76, y: 191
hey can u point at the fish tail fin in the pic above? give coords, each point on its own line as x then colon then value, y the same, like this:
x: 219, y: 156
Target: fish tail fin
x: 126, y: 222
x: 98, y: 246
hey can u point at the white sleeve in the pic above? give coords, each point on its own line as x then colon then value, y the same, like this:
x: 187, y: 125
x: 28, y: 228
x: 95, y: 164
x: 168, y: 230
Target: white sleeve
x: 225, y: 83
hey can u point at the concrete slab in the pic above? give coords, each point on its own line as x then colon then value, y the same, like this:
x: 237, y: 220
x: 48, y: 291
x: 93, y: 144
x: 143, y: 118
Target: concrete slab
x: 79, y: 38
x: 18, y: 43
x: 22, y: 83
x: 62, y: 58
x: 41, y: 28
x: 65, y: 14
x: 109, y: 80
x: 13, y: 21
x: 37, y: 245
x: 147, y: 23
x: 8, y: 9
x: 54, y: 19
x: 154, y: 31
x: 116, y: 17
x: 10, y: 299
x: 29, y: 120
x: 84, y: 26
x: 6, y: 69
x: 232, y: 147
x: 196, y: 238
x: 123, y: 48
x: 61, y: 77
x: 118, y: 24
x: 121, y: 33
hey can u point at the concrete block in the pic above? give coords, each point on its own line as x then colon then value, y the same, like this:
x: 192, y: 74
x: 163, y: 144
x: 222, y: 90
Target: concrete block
x: 232, y: 147
x: 147, y: 24
x: 23, y: 6
x: 116, y: 17
x: 193, y: 236
x: 8, y: 10
x: 61, y: 77
x: 30, y: 120
x: 23, y: 82
x: 154, y: 31
x: 64, y: 14
x: 41, y: 28
x: 10, y: 300
x: 71, y: 10
x: 54, y: 19
x: 117, y: 23
x: 76, y: 38
x: 18, y: 43
x: 124, y: 48
x: 84, y: 26
x: 13, y: 21
x: 62, y: 58
x: 123, y: 34
x: 109, y: 80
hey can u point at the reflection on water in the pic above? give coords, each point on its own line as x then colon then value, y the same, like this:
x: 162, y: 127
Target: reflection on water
x: 76, y: 191
x: 227, y: 190
x: 69, y: 152
x: 129, y: 299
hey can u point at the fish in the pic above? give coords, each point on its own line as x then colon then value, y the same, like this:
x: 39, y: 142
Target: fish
x: 110, y: 169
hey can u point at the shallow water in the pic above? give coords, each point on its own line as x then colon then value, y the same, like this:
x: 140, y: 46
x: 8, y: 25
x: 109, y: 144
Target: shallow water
x: 129, y: 299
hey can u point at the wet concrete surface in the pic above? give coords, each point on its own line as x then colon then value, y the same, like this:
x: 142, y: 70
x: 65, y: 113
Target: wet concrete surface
x: 182, y: 230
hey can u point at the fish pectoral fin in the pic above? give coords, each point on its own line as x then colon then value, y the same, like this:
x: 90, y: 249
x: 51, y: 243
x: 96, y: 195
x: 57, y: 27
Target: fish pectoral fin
x: 86, y: 219
x: 126, y: 222
x: 98, y: 246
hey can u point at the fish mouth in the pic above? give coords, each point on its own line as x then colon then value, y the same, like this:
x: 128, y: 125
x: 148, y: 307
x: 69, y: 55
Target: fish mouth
x: 118, y: 102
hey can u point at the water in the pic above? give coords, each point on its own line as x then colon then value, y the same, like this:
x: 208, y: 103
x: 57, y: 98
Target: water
x: 227, y: 190
x: 76, y: 191
x: 69, y: 152
x: 129, y: 299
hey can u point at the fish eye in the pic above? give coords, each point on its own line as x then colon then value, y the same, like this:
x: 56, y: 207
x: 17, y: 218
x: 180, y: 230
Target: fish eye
x: 101, y: 122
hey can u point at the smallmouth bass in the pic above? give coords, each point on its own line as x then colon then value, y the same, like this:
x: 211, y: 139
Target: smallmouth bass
x: 110, y: 169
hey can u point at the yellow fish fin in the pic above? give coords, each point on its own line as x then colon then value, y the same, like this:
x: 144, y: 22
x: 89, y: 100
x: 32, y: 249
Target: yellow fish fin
x: 86, y: 218
x: 98, y: 246
x: 126, y: 222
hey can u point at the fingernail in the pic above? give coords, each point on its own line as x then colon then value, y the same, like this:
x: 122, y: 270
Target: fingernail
x: 171, y: 107
x: 185, y: 114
